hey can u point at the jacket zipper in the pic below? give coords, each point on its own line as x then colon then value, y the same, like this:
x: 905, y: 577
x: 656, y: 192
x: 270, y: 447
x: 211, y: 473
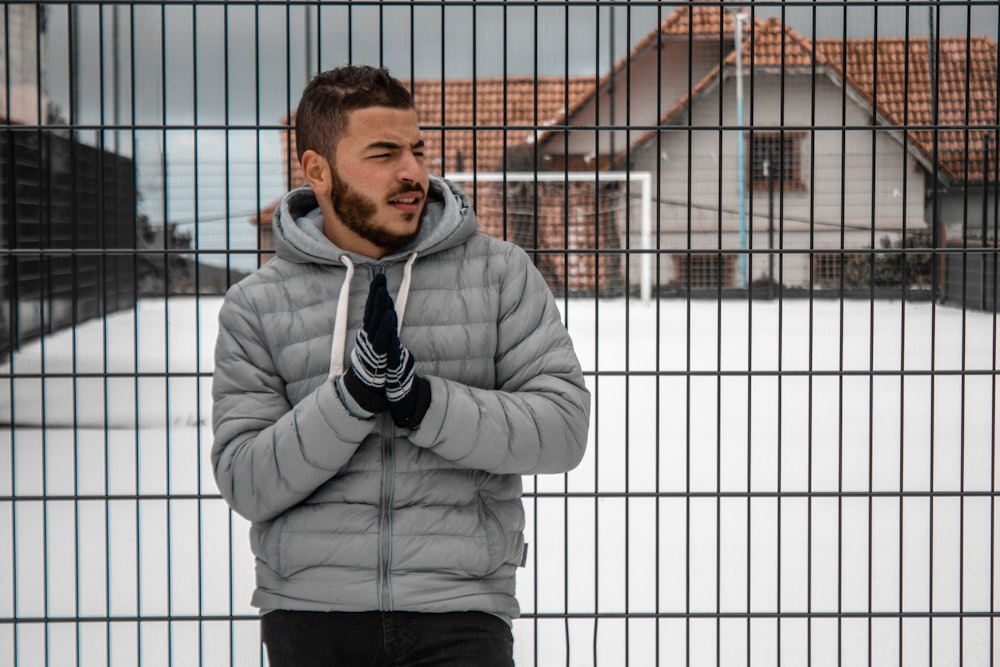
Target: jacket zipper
x: 385, y: 520
x: 388, y: 457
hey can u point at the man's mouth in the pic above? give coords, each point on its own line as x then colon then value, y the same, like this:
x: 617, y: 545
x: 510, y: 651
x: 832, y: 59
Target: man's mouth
x: 407, y: 199
x: 409, y: 202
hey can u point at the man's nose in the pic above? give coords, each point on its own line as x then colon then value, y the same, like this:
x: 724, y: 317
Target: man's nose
x: 411, y: 169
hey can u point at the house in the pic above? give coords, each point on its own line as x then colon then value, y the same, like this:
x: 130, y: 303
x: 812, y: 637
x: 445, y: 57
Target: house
x: 846, y: 128
x: 844, y: 145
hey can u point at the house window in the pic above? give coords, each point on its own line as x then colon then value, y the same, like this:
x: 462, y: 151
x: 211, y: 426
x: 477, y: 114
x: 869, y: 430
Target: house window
x: 826, y: 269
x: 705, y: 271
x: 777, y: 153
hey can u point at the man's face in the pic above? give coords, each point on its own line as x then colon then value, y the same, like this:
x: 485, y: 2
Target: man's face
x: 380, y: 178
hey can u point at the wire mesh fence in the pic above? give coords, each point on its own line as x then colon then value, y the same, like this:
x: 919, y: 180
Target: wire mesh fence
x: 771, y: 230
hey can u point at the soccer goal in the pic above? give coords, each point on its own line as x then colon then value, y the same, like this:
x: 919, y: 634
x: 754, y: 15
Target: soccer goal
x: 579, y: 225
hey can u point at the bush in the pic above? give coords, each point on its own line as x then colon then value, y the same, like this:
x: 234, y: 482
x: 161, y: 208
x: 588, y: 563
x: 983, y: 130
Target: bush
x: 892, y: 269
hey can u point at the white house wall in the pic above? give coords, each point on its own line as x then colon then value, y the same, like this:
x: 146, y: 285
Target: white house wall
x: 639, y: 101
x: 861, y: 186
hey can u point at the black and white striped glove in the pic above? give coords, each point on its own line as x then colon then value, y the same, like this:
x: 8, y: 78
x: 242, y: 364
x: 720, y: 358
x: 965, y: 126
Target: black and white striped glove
x: 365, y: 378
x: 409, y: 394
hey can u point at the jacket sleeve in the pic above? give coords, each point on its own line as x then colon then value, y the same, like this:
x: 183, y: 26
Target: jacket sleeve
x: 268, y: 455
x: 537, y: 418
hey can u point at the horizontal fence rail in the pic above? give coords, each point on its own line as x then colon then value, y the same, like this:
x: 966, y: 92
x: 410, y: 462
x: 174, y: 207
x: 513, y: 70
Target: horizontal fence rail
x: 771, y: 230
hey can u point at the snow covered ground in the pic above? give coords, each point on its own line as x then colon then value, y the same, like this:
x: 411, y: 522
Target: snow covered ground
x: 768, y: 482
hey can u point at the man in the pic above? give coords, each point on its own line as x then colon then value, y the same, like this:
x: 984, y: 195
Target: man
x: 380, y: 387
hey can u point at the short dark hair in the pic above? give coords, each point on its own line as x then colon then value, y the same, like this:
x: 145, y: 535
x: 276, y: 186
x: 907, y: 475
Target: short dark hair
x: 321, y: 117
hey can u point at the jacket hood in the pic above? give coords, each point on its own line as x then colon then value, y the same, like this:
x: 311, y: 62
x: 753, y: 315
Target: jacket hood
x: 447, y: 221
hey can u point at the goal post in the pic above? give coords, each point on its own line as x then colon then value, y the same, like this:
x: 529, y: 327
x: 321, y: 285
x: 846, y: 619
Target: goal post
x: 494, y: 215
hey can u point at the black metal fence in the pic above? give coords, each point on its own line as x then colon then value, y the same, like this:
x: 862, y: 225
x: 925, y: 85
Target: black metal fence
x: 772, y: 232
x: 61, y: 206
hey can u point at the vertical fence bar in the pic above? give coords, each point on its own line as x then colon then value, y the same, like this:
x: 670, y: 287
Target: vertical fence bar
x: 568, y: 625
x: 995, y: 182
x: 626, y: 266
x: 658, y: 484
x: 7, y: 271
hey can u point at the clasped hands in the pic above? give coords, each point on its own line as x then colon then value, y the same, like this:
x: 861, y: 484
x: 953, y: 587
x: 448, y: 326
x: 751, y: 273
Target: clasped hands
x: 381, y: 374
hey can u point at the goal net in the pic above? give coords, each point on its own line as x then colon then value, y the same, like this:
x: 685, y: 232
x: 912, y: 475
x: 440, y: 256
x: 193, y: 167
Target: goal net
x: 572, y: 223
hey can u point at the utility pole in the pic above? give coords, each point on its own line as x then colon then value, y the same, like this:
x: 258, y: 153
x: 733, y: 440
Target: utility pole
x: 738, y: 18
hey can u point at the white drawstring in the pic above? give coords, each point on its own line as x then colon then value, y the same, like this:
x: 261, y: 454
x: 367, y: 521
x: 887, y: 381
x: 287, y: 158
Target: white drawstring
x: 340, y: 326
x: 404, y: 292
x: 339, y: 344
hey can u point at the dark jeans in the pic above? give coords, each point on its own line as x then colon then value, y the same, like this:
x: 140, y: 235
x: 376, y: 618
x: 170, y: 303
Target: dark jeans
x: 384, y: 639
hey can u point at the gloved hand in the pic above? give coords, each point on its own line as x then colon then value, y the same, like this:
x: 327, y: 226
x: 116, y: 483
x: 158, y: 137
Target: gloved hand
x: 364, y: 380
x: 409, y: 394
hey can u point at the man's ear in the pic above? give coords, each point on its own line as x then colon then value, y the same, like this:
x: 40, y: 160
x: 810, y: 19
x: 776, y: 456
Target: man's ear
x: 317, y: 172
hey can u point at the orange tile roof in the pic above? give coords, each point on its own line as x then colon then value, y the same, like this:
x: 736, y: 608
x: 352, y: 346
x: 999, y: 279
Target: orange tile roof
x: 774, y: 45
x: 892, y: 76
x: 477, y: 119
x: 709, y: 19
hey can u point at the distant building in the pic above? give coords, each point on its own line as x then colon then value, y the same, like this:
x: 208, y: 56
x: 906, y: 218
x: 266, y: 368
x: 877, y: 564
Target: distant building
x: 22, y: 46
x: 62, y: 203
x: 846, y: 128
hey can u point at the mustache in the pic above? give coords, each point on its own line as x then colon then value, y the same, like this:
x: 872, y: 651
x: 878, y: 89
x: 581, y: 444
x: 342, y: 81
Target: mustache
x: 408, y: 189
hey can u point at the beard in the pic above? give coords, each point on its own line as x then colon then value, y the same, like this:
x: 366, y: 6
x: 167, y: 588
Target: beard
x: 357, y: 211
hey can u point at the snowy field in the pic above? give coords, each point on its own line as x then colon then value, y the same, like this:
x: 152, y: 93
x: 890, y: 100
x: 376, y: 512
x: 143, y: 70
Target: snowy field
x: 768, y: 483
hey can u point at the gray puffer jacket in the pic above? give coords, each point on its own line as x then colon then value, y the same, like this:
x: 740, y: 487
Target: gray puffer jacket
x: 350, y: 514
